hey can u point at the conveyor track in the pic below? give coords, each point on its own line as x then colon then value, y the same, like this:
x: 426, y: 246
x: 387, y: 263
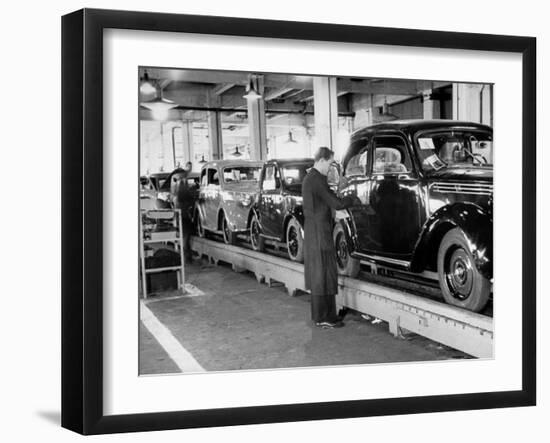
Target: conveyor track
x: 466, y: 331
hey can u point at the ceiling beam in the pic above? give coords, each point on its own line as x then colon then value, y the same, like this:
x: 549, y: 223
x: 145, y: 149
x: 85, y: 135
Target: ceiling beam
x: 164, y: 83
x: 388, y: 87
x: 219, y: 90
x: 277, y: 93
x: 236, y: 78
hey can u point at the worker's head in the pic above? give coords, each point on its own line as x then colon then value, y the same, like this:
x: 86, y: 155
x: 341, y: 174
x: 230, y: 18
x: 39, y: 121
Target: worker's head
x: 188, y: 166
x: 324, y: 157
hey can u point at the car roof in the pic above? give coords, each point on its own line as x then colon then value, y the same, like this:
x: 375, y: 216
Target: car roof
x: 160, y: 174
x: 290, y: 160
x: 413, y: 125
x: 231, y: 162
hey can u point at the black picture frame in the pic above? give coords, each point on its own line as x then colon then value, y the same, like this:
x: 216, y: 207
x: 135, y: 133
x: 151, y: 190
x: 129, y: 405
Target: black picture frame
x: 82, y: 218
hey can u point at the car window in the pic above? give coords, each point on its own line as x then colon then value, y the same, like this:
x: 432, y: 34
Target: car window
x: 271, y: 179
x: 357, y: 165
x: 204, y: 180
x: 159, y: 182
x: 333, y: 176
x: 454, y: 148
x: 391, y: 155
x: 293, y: 174
x: 236, y: 174
x: 145, y: 183
x: 213, y: 177
x: 165, y: 187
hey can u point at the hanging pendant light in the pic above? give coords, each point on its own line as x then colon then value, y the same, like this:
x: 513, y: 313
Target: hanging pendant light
x: 146, y: 86
x: 236, y: 153
x: 202, y: 161
x: 290, y: 138
x: 159, y: 103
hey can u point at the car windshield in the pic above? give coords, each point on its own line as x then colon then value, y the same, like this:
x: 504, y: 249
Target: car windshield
x: 294, y: 174
x: 455, y: 149
x: 159, y: 180
x: 238, y: 174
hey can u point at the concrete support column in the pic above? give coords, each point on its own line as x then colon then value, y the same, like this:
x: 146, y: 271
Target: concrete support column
x: 432, y: 108
x: 326, y: 111
x: 256, y: 121
x: 486, y: 105
x: 187, y: 140
x: 214, y: 136
x: 473, y: 102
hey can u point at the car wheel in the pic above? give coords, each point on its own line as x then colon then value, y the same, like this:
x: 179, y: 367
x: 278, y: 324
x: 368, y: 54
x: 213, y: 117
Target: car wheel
x: 347, y: 265
x: 199, y: 226
x: 229, y: 237
x: 295, y: 241
x: 461, y: 282
x: 256, y: 240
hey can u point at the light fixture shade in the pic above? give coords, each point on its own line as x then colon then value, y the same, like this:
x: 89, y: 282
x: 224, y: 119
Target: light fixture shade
x: 146, y: 86
x: 202, y: 160
x: 159, y: 104
x: 236, y: 153
x: 290, y: 138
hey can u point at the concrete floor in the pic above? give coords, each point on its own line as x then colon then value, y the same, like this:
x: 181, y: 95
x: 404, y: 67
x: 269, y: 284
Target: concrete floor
x: 238, y: 323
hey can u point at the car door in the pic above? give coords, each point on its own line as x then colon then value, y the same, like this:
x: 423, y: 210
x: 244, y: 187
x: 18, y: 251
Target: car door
x: 271, y: 202
x: 394, y: 197
x: 357, y: 185
x: 211, y: 198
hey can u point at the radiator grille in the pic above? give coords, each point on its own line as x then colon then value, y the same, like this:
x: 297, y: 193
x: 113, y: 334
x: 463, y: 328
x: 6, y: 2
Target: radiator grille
x: 463, y: 188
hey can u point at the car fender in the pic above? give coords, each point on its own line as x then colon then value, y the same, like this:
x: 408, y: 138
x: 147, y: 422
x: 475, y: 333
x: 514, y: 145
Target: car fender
x: 343, y: 218
x: 200, y: 211
x: 474, y: 221
x: 254, y: 210
x: 298, y: 214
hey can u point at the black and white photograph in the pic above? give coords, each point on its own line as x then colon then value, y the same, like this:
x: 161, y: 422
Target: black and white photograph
x: 263, y: 222
x: 293, y: 220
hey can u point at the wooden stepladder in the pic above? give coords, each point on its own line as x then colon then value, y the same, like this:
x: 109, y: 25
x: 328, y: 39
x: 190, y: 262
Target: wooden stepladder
x: 160, y: 226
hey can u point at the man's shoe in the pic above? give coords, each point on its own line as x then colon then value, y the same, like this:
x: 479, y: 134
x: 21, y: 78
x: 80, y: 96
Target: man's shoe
x: 329, y: 324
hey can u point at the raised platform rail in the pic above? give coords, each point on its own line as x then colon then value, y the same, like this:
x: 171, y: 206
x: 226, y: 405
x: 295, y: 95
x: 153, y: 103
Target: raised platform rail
x: 466, y: 331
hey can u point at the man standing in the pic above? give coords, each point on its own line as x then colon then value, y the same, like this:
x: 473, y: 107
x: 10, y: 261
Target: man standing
x: 183, y: 199
x: 321, y: 273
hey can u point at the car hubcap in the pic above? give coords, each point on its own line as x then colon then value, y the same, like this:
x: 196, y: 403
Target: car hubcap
x: 341, y: 251
x: 225, y: 231
x: 292, y: 242
x: 254, y: 234
x: 460, y: 274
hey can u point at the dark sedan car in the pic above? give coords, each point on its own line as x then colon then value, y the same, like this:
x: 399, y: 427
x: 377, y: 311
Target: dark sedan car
x: 278, y: 214
x: 425, y: 203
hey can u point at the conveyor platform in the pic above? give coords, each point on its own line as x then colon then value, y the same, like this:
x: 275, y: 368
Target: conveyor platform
x: 466, y: 331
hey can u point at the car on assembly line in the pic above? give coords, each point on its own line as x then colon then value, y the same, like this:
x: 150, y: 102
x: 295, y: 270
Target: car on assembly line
x: 166, y: 191
x: 424, y: 193
x: 278, y: 213
x: 227, y: 192
x: 149, y: 185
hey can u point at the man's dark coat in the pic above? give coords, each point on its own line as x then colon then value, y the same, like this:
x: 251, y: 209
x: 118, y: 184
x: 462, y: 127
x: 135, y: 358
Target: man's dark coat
x: 321, y: 274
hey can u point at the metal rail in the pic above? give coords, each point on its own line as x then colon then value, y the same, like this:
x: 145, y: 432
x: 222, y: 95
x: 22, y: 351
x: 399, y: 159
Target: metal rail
x: 466, y: 331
